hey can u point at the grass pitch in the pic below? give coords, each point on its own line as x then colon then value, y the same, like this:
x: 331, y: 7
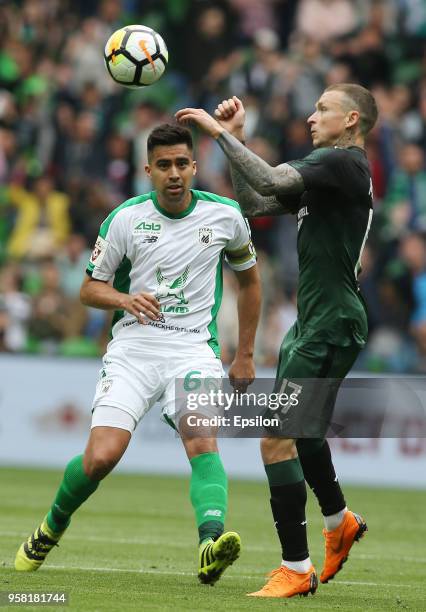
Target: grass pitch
x: 133, y: 546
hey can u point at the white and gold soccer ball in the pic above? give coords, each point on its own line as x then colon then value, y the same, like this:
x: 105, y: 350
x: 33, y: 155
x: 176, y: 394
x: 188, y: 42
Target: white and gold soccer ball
x: 136, y: 56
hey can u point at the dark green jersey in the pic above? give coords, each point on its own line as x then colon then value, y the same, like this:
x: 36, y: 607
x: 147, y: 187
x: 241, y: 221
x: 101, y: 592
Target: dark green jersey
x: 334, y: 218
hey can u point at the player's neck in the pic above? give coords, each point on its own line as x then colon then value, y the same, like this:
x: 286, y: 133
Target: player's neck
x: 348, y: 139
x: 175, y: 206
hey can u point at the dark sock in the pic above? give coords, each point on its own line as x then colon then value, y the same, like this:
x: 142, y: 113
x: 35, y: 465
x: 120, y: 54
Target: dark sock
x: 317, y: 465
x: 210, y: 529
x: 288, y: 501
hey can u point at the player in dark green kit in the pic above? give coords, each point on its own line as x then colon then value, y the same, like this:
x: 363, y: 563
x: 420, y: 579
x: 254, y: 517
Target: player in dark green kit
x: 334, y: 216
x: 331, y: 192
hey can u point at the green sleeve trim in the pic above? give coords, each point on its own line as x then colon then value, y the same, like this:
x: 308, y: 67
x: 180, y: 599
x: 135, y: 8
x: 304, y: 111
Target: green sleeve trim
x: 131, y: 202
x: 122, y: 284
x: 213, y: 197
x: 213, y: 342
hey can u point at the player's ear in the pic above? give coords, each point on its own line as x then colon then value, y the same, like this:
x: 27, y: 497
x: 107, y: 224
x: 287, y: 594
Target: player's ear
x: 352, y: 118
x: 194, y: 168
x: 148, y: 170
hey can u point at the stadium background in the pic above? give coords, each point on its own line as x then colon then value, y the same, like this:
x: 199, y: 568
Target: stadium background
x: 72, y: 147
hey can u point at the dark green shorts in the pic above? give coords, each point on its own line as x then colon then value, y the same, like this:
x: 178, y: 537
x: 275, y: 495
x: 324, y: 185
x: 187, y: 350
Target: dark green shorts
x: 311, y: 371
x: 302, y: 357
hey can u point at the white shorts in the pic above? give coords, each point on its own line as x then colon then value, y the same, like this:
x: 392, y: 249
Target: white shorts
x: 132, y: 381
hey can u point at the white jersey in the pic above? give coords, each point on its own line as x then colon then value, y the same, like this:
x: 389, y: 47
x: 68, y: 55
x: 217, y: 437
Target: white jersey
x: 178, y: 258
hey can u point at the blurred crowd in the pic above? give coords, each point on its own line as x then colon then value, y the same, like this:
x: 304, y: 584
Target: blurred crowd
x: 73, y: 147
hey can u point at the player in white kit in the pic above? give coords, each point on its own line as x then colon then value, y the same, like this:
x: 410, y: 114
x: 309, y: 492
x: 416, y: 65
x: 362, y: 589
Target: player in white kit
x: 157, y: 263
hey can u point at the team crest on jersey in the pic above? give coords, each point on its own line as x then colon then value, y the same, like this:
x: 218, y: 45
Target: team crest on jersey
x: 205, y: 235
x: 148, y: 229
x: 106, y: 385
x: 172, y: 288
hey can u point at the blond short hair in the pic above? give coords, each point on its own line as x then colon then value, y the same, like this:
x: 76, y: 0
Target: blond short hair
x: 360, y: 99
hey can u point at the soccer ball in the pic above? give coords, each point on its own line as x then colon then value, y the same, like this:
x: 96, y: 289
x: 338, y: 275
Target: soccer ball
x: 136, y: 56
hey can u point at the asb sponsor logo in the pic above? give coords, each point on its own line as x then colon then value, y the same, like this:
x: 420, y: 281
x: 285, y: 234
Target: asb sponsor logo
x: 148, y: 229
x: 99, y: 251
x: 172, y: 289
x: 205, y: 235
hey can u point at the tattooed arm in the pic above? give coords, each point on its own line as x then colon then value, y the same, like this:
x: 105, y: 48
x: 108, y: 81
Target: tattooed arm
x: 252, y: 203
x: 250, y: 173
x: 265, y: 179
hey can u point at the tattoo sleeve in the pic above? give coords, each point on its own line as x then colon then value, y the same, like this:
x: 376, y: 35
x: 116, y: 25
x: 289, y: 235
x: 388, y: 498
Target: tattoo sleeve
x: 252, y: 203
x: 265, y: 179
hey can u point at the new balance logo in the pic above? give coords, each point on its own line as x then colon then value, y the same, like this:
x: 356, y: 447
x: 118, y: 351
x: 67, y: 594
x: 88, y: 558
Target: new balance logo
x: 149, y: 239
x: 213, y: 513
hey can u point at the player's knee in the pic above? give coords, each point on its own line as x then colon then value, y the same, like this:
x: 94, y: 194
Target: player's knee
x: 199, y: 446
x: 99, y: 464
x: 277, y: 449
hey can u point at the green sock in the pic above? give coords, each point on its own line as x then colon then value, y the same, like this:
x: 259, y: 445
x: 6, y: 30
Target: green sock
x: 75, y: 488
x: 209, y: 494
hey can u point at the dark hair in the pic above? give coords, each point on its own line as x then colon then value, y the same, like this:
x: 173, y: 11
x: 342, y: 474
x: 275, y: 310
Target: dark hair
x: 362, y: 100
x: 168, y: 134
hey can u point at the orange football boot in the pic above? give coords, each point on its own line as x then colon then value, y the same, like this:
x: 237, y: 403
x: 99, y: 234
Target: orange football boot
x: 338, y: 543
x: 284, y: 582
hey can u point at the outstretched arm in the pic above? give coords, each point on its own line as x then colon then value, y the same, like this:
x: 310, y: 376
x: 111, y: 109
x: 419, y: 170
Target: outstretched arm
x: 265, y: 179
